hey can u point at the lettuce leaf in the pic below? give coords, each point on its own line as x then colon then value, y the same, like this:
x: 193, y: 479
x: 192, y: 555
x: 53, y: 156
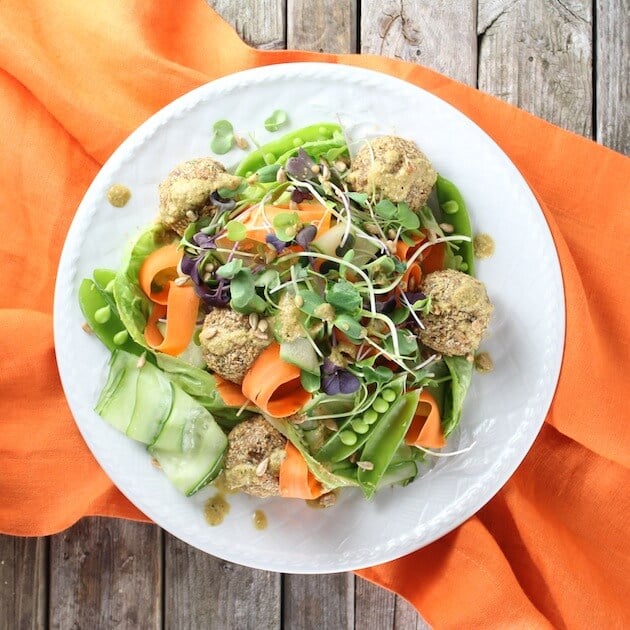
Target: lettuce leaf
x: 461, y: 375
x: 133, y: 305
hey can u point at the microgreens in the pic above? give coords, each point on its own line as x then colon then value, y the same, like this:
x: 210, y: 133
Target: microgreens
x: 222, y: 137
x: 277, y: 120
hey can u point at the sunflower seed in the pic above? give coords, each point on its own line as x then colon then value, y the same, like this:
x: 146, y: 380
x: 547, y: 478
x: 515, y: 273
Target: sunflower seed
x: 299, y: 301
x: 330, y: 424
x: 192, y: 216
x: 241, y: 143
x: 208, y: 333
x: 261, y: 469
x: 263, y: 324
x: 365, y: 465
x: 253, y: 320
x: 181, y: 280
x: 340, y: 166
x: 87, y: 328
x: 142, y: 359
x: 281, y: 176
x: 447, y: 228
x: 155, y: 463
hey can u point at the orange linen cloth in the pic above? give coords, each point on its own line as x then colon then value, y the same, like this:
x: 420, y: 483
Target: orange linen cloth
x: 551, y: 549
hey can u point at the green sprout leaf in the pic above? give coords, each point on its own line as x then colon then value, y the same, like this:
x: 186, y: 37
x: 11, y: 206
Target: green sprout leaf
x: 344, y: 297
x: 379, y: 374
x: 407, y: 217
x: 229, y: 270
x: 423, y: 306
x: 236, y: 231
x: 311, y: 301
x: 222, y: 137
x: 244, y: 296
x: 385, y: 209
x: 267, y: 174
x: 277, y: 120
x: 285, y: 225
x: 349, y: 326
x: 359, y: 198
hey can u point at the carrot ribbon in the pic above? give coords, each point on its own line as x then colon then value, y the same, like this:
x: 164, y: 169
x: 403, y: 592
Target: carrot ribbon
x: 426, y: 426
x: 274, y: 385
x: 178, y: 304
x: 296, y: 480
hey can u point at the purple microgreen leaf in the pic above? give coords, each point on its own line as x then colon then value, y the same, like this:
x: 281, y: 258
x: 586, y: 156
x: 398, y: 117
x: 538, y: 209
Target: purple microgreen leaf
x: 221, y: 204
x: 275, y: 242
x: 300, y: 194
x: 301, y: 166
x: 306, y: 236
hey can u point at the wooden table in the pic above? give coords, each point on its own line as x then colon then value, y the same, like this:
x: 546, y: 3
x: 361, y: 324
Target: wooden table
x: 565, y: 60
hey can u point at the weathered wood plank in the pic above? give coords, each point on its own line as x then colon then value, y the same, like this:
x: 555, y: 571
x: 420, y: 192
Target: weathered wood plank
x: 106, y: 573
x: 377, y: 608
x: 440, y: 34
x: 537, y: 55
x: 330, y: 26
x: 23, y: 582
x: 612, y: 74
x: 319, y: 601
x: 261, y: 23
x: 204, y: 592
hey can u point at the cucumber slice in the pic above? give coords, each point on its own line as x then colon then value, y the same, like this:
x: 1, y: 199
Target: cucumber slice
x: 154, y: 399
x: 401, y: 473
x: 300, y: 352
x: 116, y: 403
x: 190, y: 445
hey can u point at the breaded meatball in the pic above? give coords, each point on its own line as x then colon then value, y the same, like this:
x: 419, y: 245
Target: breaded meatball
x: 185, y: 193
x: 395, y: 168
x: 250, y: 443
x: 459, y: 314
x: 230, y: 345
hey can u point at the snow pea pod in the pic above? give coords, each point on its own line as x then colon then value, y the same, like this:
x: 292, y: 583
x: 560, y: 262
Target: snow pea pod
x: 338, y: 447
x: 276, y: 148
x: 384, y: 441
x: 454, y: 207
x: 103, y: 319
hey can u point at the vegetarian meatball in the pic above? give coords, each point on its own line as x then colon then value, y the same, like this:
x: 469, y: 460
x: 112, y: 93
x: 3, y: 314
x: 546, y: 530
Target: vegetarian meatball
x: 395, y: 168
x: 231, y: 342
x: 254, y: 454
x: 459, y: 313
x: 185, y: 195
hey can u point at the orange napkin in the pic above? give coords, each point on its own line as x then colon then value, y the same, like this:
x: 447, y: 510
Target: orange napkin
x: 77, y: 77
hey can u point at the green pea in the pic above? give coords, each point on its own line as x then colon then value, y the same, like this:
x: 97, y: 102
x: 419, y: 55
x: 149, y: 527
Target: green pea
x: 360, y: 426
x: 450, y: 206
x: 270, y: 158
x: 298, y: 142
x: 370, y: 416
x: 348, y: 438
x: 120, y: 337
x: 389, y: 395
x: 380, y: 405
x: 103, y: 314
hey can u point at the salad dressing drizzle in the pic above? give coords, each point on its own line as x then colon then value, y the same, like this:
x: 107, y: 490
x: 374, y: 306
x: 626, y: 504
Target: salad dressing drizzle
x: 260, y: 520
x: 216, y: 509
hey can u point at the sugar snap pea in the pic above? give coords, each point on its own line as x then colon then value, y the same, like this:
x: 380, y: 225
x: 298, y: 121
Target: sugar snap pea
x: 340, y: 445
x: 276, y: 148
x: 92, y: 301
x: 454, y: 207
x: 384, y: 440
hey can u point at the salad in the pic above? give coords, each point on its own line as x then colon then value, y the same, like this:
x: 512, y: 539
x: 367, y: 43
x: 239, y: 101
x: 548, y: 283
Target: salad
x: 304, y: 323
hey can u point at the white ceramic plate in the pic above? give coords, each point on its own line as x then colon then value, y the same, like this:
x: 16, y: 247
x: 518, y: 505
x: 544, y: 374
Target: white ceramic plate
x: 504, y: 410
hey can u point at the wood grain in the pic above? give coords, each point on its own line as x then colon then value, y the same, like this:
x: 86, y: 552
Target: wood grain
x: 261, y: 23
x: 377, y: 608
x: 201, y: 591
x: 319, y: 601
x: 612, y: 74
x: 327, y: 26
x: 537, y: 55
x: 106, y: 573
x: 440, y: 34
x: 23, y: 582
